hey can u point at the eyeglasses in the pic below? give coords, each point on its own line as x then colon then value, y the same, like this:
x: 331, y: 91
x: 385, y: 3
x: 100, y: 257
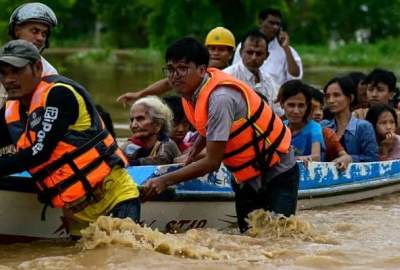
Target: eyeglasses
x: 180, y: 71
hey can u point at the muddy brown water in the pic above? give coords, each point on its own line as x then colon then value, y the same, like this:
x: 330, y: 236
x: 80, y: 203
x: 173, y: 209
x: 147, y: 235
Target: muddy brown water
x: 360, y: 235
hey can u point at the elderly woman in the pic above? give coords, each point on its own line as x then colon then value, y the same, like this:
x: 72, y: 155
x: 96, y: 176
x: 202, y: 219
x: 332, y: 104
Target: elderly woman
x: 150, y: 124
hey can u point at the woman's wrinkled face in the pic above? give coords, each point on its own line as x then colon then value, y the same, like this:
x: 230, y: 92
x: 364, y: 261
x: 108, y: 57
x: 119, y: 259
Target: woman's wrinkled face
x: 142, y: 125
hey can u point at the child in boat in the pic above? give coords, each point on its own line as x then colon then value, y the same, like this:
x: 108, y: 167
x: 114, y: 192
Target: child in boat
x: 384, y: 120
x: 180, y: 131
x: 307, y: 139
x: 150, y: 125
x: 355, y: 135
x: 381, y: 87
x: 334, y: 151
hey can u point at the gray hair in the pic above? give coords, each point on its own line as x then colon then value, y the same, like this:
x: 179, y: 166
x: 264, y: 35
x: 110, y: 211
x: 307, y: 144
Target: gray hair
x: 158, y: 111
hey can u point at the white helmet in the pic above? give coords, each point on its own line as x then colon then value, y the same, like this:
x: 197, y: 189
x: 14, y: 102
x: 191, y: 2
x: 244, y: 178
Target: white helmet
x: 32, y: 12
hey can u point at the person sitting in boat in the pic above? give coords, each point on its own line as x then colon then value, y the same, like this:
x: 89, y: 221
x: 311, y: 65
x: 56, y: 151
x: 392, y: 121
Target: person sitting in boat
x: 356, y: 136
x: 384, y: 120
x: 230, y: 117
x: 61, y: 141
x: 358, y: 79
x: 220, y: 43
x: 381, y: 87
x: 307, y: 140
x: 150, y: 125
x: 334, y: 151
x: 180, y: 131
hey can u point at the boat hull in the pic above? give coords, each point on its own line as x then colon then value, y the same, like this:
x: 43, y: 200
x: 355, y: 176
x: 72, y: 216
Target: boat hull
x: 201, y: 203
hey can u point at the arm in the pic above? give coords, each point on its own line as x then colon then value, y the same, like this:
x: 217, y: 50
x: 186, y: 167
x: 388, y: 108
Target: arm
x: 293, y: 66
x: 64, y: 107
x: 343, y: 160
x: 158, y: 88
x: 315, y: 153
x: 221, y: 111
x: 209, y: 163
x: 5, y: 139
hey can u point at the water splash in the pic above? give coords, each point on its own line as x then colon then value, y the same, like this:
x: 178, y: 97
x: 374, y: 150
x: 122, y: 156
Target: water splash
x: 272, y: 226
x: 107, y: 230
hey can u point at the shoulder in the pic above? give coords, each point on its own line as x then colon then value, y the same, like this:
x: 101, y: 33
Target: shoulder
x: 48, y: 69
x: 225, y: 93
x: 314, y: 125
x: 363, y: 125
x: 327, y: 123
x: 231, y: 69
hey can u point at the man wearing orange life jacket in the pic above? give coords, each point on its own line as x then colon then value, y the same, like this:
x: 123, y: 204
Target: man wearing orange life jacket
x: 238, y: 128
x: 62, y: 142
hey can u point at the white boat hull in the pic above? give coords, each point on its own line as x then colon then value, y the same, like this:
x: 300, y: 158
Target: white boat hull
x: 20, y: 211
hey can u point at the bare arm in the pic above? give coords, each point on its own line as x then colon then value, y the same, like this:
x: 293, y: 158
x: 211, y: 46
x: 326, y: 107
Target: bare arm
x: 209, y: 163
x: 293, y: 68
x: 315, y: 153
x: 158, y: 88
x: 343, y: 161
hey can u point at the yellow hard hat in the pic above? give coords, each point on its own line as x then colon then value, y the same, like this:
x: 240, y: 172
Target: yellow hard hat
x: 220, y: 36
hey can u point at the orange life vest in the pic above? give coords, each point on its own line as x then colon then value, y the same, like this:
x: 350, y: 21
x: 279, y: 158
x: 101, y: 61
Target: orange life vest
x: 255, y: 141
x: 73, y: 176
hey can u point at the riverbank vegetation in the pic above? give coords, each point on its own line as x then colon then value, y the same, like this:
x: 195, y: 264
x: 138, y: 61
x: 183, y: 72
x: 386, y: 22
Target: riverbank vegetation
x: 350, y: 33
x: 155, y: 23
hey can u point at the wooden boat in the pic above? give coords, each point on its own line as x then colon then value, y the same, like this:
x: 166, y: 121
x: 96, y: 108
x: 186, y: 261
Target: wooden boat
x: 203, y: 202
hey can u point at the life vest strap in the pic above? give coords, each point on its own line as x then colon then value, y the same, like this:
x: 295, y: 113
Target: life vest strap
x: 249, y: 122
x: 259, y: 137
x: 263, y: 158
x: 47, y: 194
x: 43, y: 173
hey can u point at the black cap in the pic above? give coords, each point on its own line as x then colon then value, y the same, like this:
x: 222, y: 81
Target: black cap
x: 19, y: 53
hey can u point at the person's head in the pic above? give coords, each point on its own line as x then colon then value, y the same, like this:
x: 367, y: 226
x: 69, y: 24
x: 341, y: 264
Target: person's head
x: 20, y: 69
x: 32, y: 22
x: 383, y: 118
x: 295, y: 99
x: 186, y: 65
x: 358, y: 80
x: 340, y: 94
x: 150, y: 117
x: 254, y: 50
x: 220, y: 43
x: 317, y: 104
x: 180, y: 124
x: 270, y: 22
x: 381, y: 85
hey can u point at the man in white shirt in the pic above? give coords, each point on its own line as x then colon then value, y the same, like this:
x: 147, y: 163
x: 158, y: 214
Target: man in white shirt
x: 283, y: 63
x: 32, y: 22
x: 253, y: 54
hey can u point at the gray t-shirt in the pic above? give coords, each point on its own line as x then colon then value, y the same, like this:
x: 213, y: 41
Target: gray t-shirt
x: 227, y: 105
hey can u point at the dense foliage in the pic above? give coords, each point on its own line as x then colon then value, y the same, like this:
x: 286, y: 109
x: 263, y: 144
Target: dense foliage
x: 155, y: 23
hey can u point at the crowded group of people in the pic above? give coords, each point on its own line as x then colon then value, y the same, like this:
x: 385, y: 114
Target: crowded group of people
x: 243, y: 105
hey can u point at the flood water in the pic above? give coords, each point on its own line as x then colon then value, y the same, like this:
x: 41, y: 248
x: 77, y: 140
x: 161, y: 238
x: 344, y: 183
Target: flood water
x: 361, y: 235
